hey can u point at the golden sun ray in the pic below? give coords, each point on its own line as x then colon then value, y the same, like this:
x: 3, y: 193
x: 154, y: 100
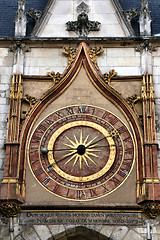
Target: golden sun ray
x: 68, y: 145
x: 80, y: 161
x: 75, y: 145
x: 70, y: 159
x: 92, y: 154
x: 85, y: 141
x: 84, y: 158
x: 90, y: 159
x: 90, y: 142
x: 68, y: 154
x: 76, y: 140
x: 76, y: 159
x: 93, y: 146
x: 81, y: 138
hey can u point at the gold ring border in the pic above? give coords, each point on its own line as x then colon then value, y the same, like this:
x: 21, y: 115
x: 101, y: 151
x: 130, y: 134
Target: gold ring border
x: 90, y: 177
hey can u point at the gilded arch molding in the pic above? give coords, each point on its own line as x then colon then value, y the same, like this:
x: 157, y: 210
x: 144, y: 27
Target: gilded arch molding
x: 82, y: 56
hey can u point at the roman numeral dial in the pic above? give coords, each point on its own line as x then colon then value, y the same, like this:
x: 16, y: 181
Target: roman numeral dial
x: 83, y: 152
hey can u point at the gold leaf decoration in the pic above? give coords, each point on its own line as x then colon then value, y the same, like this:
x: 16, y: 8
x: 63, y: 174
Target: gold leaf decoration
x: 55, y: 77
x: 70, y: 53
x: 107, y: 78
x: 94, y: 53
x: 10, y: 209
x: 151, y: 210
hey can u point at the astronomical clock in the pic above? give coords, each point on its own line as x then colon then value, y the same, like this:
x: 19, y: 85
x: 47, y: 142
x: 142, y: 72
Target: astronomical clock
x: 81, y: 138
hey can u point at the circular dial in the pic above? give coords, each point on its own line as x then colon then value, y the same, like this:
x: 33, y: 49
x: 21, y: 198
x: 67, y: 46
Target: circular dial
x: 81, y: 152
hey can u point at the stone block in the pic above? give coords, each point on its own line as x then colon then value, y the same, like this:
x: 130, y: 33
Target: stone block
x: 4, y: 52
x: 2, y: 100
x: 156, y: 61
x: 61, y: 18
x: 3, y: 109
x: 43, y: 53
x: 103, y: 7
x: 60, y: 7
x: 43, y: 231
x: 18, y: 238
x: 57, y: 229
x: 123, y: 61
x: 108, y: 19
x: 41, y: 62
x: 31, y: 71
x: 30, y: 234
x: 157, y: 90
x: 119, y: 233
x: 56, y: 30
x: 156, y: 71
x: 120, y: 52
x: 107, y: 230
x: 133, y: 235
x: 6, y: 71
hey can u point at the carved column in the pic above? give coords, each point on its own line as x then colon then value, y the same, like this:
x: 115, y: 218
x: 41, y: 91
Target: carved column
x: 21, y: 20
x: 151, y: 185
x: 146, y: 50
x: 145, y: 19
x: 18, y: 50
x: 10, y: 188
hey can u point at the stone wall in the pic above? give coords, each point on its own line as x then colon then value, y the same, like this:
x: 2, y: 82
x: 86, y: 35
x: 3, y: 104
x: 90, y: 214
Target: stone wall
x: 64, y: 232
x: 6, y: 61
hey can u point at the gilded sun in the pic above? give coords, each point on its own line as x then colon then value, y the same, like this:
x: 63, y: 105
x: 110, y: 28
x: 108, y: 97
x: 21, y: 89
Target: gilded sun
x: 81, y: 150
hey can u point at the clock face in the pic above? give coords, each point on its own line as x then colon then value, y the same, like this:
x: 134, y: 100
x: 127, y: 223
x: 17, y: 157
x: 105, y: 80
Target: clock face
x: 81, y: 153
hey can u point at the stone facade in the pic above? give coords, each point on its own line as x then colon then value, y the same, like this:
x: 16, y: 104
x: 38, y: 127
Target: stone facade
x: 127, y: 55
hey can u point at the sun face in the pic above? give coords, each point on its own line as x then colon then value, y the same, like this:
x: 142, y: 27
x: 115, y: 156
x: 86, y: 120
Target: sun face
x: 81, y: 150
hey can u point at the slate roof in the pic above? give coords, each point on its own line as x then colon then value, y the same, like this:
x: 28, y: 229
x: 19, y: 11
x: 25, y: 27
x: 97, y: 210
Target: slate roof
x: 8, y: 10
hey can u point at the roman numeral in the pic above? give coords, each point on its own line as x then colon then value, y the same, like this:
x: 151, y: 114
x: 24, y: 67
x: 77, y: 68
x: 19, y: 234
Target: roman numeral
x: 67, y: 192
x: 114, y: 121
x: 41, y: 129
x: 35, y: 139
x: 104, y: 115
x: 93, y: 192
x: 33, y: 149
x: 127, y: 162
x: 122, y: 129
x: 55, y: 188
x: 38, y: 171
x: 59, y: 115
x: 81, y: 194
x: 128, y: 139
x: 48, y: 121
x: 123, y: 173
x: 35, y: 161
x: 115, y: 181
x: 82, y: 109
x: 105, y: 188
x: 70, y: 111
x: 46, y: 181
x: 129, y: 151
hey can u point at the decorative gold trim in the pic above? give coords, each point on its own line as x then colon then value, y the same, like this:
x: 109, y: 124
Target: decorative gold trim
x: 94, y: 53
x: 132, y: 100
x: 94, y: 176
x: 107, y: 78
x: 70, y: 53
x: 55, y: 77
x: 10, y: 180
x: 152, y: 180
x: 10, y: 209
x: 151, y: 210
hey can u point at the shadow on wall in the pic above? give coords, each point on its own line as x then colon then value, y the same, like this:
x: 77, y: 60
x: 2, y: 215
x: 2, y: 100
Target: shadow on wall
x: 80, y: 233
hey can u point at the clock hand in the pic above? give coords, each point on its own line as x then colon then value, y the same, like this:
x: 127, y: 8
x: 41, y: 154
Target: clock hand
x: 100, y: 146
x: 45, y: 150
x: 97, y: 141
x: 61, y: 160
